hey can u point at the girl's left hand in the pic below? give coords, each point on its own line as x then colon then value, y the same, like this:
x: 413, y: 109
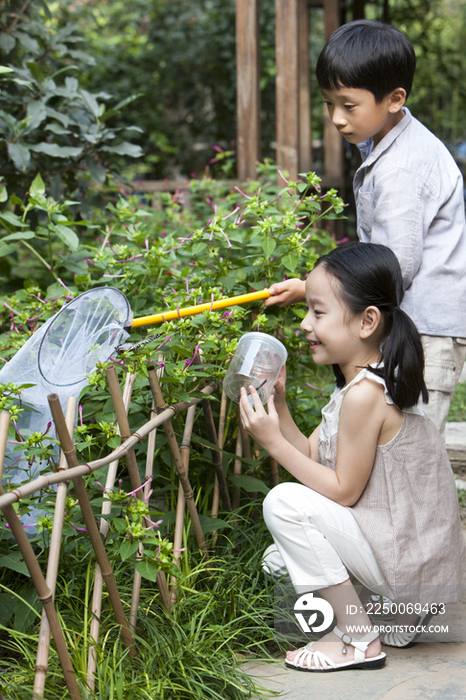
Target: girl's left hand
x: 262, y: 426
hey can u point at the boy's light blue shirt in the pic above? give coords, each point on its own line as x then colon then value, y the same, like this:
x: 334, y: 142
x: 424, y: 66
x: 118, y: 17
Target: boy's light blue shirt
x: 409, y: 197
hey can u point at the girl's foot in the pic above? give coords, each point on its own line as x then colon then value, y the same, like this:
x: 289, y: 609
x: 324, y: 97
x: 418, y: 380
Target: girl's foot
x: 337, y: 650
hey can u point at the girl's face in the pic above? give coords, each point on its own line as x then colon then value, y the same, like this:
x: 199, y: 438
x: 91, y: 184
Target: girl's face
x: 331, y: 329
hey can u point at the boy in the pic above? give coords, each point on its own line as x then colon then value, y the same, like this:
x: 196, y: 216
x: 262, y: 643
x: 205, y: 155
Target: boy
x: 408, y: 193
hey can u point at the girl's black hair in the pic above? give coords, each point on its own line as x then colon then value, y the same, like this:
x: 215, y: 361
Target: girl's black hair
x: 368, y: 55
x: 370, y: 275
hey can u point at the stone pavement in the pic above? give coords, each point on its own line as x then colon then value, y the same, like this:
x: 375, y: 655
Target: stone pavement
x: 426, y: 671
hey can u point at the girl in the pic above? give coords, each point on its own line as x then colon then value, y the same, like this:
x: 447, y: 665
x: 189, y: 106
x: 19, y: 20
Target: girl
x: 377, y: 497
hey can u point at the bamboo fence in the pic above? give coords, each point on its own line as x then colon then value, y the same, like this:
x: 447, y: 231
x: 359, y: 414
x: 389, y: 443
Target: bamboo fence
x: 71, y: 470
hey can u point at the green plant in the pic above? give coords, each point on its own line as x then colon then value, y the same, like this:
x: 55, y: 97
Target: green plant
x: 229, y: 241
x: 48, y: 120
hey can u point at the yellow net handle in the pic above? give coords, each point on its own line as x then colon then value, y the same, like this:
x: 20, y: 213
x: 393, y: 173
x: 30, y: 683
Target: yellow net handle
x: 191, y: 310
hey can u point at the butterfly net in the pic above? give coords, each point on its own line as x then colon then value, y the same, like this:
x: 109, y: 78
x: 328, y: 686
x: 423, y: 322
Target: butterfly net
x: 58, y: 359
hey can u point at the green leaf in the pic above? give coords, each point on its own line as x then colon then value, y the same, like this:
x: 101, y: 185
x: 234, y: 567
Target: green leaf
x: 213, y: 524
x: 20, y: 155
x: 268, y: 245
x: 63, y: 118
x: 148, y: 569
x: 26, y: 610
x: 7, y: 607
x: 250, y: 483
x: 3, y: 194
x: 19, y: 236
x: 12, y: 219
x: 290, y: 261
x: 7, y: 44
x: 127, y: 549
x: 37, y: 186
x: 14, y: 561
x: 97, y: 172
x: 56, y: 151
x: 67, y: 235
x: 198, y: 247
x: 36, y: 113
x: 91, y: 102
x: 5, y: 69
x: 124, y: 149
x: 7, y: 249
x: 35, y: 71
x: 29, y: 43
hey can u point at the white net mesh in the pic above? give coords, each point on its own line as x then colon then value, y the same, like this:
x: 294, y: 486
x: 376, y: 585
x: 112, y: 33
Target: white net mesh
x: 58, y: 358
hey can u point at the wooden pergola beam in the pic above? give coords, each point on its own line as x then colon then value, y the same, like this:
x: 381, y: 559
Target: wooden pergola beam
x: 287, y: 93
x: 247, y: 83
x: 333, y: 143
x: 293, y: 101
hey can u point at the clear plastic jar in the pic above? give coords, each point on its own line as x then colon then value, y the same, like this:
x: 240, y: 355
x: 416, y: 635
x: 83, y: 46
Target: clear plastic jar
x: 257, y: 362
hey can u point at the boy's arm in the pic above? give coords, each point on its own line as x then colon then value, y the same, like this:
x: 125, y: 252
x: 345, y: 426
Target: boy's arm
x: 286, y: 292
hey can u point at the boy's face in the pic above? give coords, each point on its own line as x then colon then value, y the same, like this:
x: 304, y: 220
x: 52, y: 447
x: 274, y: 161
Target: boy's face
x: 357, y: 116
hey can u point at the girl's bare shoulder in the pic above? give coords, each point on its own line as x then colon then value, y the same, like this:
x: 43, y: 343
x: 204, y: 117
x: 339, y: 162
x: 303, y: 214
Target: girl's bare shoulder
x: 366, y: 401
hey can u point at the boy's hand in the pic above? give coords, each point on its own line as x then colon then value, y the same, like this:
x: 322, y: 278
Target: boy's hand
x: 286, y: 292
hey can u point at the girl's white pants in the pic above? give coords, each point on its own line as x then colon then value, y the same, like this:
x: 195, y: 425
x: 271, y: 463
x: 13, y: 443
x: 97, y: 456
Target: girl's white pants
x: 318, y: 541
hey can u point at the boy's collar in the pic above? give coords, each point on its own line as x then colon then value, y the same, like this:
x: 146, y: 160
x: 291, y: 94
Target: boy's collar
x: 370, y: 154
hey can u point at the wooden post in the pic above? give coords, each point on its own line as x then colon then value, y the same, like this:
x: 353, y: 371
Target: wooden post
x: 333, y: 142
x: 287, y: 94
x: 247, y: 86
x: 304, y: 88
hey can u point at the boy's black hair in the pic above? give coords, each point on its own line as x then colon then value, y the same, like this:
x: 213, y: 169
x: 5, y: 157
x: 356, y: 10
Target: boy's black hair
x: 370, y: 275
x: 368, y: 55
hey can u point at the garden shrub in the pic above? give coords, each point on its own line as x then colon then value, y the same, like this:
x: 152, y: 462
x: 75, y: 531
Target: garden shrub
x: 183, y: 249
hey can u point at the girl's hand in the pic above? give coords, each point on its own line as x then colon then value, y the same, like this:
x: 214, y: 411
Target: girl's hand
x: 286, y: 292
x: 262, y: 426
x: 279, y: 388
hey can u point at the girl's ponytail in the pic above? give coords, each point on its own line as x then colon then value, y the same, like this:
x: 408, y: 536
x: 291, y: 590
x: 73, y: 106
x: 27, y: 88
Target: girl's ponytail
x: 403, y: 359
x: 370, y: 275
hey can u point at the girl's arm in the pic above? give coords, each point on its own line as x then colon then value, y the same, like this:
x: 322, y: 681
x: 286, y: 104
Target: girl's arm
x: 288, y: 428
x: 361, y: 418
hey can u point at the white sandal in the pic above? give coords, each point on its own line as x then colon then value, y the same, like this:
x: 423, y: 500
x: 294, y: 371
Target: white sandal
x: 404, y: 640
x: 310, y: 659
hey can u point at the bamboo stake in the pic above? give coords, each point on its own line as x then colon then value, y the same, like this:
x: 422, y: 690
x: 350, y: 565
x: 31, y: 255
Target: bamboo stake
x: 46, y: 480
x: 216, y: 454
x: 175, y: 450
x: 274, y: 472
x: 94, y: 630
x: 91, y: 526
x: 181, y: 502
x: 43, y: 591
x: 137, y: 581
x: 53, y: 560
x: 132, y: 462
x: 246, y: 445
x: 221, y: 433
x: 237, y: 470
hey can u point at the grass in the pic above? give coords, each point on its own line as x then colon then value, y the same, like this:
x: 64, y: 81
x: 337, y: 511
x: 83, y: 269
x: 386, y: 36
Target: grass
x: 457, y: 413
x: 223, y: 616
